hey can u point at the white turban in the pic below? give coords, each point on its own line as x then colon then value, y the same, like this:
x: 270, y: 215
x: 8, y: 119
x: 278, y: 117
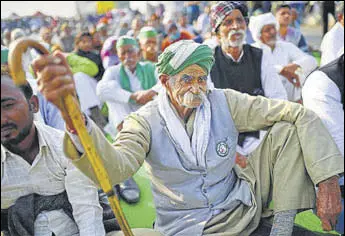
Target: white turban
x: 256, y: 24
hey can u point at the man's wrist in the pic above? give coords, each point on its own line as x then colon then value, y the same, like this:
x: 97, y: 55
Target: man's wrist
x: 334, y: 180
x: 74, y: 137
x: 71, y: 129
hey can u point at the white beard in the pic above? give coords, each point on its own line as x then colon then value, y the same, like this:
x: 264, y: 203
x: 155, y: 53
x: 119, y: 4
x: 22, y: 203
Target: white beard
x: 239, y: 42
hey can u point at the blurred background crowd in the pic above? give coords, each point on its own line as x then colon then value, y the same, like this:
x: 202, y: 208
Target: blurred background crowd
x: 105, y: 19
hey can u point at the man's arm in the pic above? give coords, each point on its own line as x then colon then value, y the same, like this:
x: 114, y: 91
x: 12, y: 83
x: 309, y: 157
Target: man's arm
x: 122, y: 158
x: 109, y: 88
x: 271, y: 83
x: 321, y: 95
x: 307, y: 62
x: 132, y: 144
x: 322, y: 157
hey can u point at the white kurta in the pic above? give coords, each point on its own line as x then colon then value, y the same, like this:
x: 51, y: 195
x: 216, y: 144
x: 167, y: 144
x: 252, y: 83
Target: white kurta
x: 285, y: 53
x: 321, y: 95
x: 109, y: 90
x: 332, y: 43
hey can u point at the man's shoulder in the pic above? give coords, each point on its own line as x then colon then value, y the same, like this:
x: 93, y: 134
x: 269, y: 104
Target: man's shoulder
x: 148, y: 109
x: 114, y: 69
x: 318, y: 80
x: 53, y: 137
x: 253, y: 51
x: 47, y: 130
x: 147, y: 64
x: 252, y: 48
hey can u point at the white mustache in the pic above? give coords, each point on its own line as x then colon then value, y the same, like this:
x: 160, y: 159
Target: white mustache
x: 232, y: 32
x: 190, y: 98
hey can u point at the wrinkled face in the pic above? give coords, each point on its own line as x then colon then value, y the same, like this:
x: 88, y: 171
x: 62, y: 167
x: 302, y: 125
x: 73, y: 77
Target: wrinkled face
x: 16, y: 114
x: 269, y: 34
x: 232, y: 31
x: 85, y: 44
x: 284, y: 16
x: 129, y: 56
x: 188, y: 87
x: 149, y: 46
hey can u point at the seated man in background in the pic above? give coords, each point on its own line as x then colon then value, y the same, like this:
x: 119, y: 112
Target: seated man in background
x: 87, y: 69
x: 148, y: 40
x: 125, y: 88
x: 290, y: 62
x: 42, y: 193
x: 240, y: 66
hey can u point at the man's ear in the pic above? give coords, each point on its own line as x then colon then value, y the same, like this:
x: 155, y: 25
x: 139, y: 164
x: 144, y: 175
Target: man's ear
x: 164, y: 79
x: 34, y: 104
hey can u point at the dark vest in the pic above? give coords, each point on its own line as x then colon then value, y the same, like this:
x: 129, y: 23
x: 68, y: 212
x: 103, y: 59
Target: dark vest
x: 243, y: 76
x: 335, y: 71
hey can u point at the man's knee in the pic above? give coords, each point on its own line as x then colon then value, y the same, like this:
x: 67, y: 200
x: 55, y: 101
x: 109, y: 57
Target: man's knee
x: 282, y: 129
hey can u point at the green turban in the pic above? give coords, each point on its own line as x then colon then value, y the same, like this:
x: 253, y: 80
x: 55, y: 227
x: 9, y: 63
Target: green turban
x: 126, y: 40
x: 147, y: 32
x: 4, y: 55
x: 183, y: 54
x: 4, y: 60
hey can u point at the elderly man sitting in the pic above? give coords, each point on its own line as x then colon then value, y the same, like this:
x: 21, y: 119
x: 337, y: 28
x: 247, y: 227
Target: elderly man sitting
x: 290, y: 62
x: 188, y: 136
x: 125, y: 88
x: 148, y: 39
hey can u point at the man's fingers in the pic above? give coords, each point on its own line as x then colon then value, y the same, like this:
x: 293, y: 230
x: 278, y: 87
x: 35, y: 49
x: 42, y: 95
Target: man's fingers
x: 51, y: 71
x: 326, y: 225
x: 56, y: 95
x: 62, y: 57
x: 55, y: 83
x: 241, y: 160
x: 333, y: 222
x: 39, y: 63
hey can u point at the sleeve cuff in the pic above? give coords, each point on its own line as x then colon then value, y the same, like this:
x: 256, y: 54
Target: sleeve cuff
x: 157, y: 87
x: 278, y: 68
x: 75, y: 139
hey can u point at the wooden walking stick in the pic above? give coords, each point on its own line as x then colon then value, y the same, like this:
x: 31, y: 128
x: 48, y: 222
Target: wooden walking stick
x: 71, y: 110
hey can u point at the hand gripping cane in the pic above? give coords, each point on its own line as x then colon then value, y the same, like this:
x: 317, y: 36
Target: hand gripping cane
x: 71, y: 110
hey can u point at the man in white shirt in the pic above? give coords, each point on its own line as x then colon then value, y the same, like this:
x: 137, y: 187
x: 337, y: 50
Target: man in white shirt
x: 324, y: 94
x: 34, y: 169
x: 290, y: 62
x: 125, y: 88
x: 333, y: 41
x: 122, y: 85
